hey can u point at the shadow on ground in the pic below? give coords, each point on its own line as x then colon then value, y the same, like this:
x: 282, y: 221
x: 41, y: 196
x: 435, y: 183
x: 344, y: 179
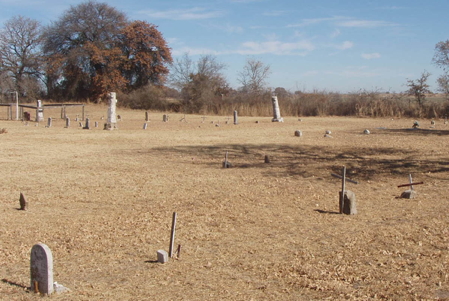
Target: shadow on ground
x: 306, y: 161
x: 414, y: 132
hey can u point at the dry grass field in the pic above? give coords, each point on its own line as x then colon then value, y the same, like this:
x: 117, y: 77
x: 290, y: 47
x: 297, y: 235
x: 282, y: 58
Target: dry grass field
x: 103, y: 203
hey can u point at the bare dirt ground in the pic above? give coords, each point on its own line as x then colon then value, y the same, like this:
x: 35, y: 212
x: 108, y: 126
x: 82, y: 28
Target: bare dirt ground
x: 103, y: 202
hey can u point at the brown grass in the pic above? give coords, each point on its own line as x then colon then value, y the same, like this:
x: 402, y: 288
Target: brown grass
x: 103, y: 201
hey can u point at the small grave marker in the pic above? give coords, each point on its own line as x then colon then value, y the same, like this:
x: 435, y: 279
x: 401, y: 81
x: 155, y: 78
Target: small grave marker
x: 165, y: 118
x: 23, y: 202
x: 162, y: 256
x: 145, y: 125
x: 226, y: 163
x: 146, y: 116
x: 347, y: 198
x: 41, y: 268
x: 298, y: 133
x: 67, y: 122
x: 267, y: 159
x: 409, y: 193
x: 236, y: 117
x: 87, y: 126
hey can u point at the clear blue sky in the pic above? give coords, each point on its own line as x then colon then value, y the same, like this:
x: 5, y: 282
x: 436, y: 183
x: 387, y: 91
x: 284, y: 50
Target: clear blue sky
x: 340, y: 46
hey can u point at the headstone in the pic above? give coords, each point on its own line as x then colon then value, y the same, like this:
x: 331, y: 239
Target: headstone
x: 146, y: 116
x: 236, y: 121
x: 366, y: 132
x: 165, y: 118
x: 23, y: 202
x: 145, y: 126
x: 87, y: 126
x: 49, y: 122
x: 276, y: 112
x: 267, y: 159
x: 96, y: 124
x: 415, y: 124
x: 298, y: 133
x: 226, y: 163
x: 408, y: 194
x: 67, y: 122
x: 26, y: 116
x: 162, y: 256
x: 349, y: 203
x: 328, y: 132
x: 39, y: 111
x: 41, y: 268
x: 112, y: 119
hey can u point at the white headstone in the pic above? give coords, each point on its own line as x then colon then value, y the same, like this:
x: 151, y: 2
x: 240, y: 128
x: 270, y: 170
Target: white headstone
x: 39, y: 111
x: 112, y: 117
x: 41, y: 267
x: 162, y: 256
x: 276, y: 112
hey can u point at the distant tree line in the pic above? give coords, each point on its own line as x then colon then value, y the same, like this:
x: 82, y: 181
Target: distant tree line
x: 93, y: 49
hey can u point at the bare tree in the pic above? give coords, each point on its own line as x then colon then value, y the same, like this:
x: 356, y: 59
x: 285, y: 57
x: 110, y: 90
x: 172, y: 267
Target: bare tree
x: 443, y: 84
x: 180, y: 71
x: 441, y: 59
x: 202, y: 83
x: 254, y: 76
x: 441, y: 56
x: 20, y: 53
x: 419, y: 88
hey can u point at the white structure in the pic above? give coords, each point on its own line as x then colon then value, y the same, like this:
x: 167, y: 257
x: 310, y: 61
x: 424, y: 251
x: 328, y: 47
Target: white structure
x: 276, y: 112
x: 112, y: 119
x: 39, y: 111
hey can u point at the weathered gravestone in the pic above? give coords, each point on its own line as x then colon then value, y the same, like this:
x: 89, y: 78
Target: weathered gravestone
x: 39, y: 111
x: 236, y: 118
x: 67, y: 122
x: 87, y: 126
x: 49, y: 122
x: 162, y: 256
x: 349, y: 203
x: 298, y: 133
x: 41, y: 268
x: 23, y: 202
x: 276, y: 112
x: 112, y: 117
x: 347, y: 198
x: 226, y: 163
x: 409, y: 193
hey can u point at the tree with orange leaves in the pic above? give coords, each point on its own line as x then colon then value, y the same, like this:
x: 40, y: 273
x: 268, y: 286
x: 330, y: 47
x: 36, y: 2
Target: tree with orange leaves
x: 93, y: 49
